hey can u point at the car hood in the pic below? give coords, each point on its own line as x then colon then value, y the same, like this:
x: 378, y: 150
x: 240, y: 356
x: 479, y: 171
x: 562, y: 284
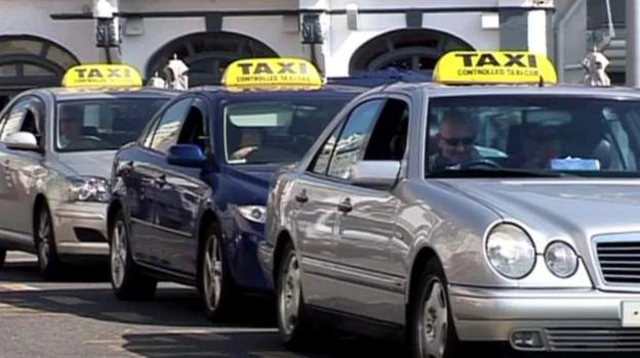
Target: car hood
x: 548, y: 208
x: 89, y: 163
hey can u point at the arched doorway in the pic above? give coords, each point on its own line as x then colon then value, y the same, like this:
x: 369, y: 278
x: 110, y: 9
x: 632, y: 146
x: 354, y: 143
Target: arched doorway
x: 30, y: 61
x: 208, y: 54
x: 405, y: 49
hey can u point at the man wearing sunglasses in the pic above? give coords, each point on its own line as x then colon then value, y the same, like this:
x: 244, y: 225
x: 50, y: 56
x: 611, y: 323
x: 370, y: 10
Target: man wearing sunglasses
x: 456, y: 137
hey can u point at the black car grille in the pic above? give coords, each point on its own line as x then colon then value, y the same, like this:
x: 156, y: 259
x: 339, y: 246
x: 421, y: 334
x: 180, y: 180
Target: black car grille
x: 619, y: 261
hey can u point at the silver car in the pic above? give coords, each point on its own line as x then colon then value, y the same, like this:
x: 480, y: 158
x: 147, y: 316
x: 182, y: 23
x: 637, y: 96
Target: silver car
x: 505, y: 214
x: 56, y: 151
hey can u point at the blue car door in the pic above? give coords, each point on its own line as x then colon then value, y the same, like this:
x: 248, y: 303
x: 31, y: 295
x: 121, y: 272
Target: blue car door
x: 186, y: 188
x: 154, y: 202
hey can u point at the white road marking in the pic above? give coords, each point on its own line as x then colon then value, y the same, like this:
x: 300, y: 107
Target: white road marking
x: 17, y: 287
x: 67, y: 300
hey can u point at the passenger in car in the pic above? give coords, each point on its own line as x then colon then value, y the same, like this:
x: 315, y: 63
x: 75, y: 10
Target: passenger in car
x: 70, y: 126
x: 540, y: 144
x: 456, y: 138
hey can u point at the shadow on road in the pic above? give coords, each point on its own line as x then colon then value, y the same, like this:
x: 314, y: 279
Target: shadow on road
x: 178, y: 307
x: 249, y: 343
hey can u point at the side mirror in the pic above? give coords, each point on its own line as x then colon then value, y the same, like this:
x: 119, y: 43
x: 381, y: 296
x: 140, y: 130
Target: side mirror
x: 378, y: 174
x: 186, y: 155
x: 22, y: 141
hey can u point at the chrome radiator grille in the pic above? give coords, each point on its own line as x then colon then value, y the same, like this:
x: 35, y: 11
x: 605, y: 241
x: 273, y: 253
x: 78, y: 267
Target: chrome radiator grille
x: 593, y: 339
x: 619, y: 261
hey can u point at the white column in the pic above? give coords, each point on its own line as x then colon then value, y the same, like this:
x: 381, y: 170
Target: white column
x: 633, y: 43
x: 537, y: 31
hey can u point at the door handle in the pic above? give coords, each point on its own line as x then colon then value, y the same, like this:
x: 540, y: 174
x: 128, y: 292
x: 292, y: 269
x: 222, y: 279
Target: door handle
x: 302, y: 197
x: 345, y: 206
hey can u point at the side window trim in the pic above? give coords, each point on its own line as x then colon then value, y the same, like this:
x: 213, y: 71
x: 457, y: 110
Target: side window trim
x: 343, y: 123
x: 159, y: 120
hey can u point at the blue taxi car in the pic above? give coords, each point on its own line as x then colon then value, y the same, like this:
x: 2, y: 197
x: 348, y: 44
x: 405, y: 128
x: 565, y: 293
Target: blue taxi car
x: 188, y: 197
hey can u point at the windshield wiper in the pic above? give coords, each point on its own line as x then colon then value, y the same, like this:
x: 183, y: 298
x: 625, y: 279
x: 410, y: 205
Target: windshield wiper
x: 496, y: 173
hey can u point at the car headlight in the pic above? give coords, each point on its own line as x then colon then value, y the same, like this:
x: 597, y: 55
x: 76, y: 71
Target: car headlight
x: 561, y: 259
x: 89, y: 189
x: 254, y: 213
x: 510, y: 251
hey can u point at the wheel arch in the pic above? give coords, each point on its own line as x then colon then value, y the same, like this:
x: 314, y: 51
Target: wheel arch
x: 112, y: 210
x: 284, y: 237
x: 39, y: 201
x: 422, y: 258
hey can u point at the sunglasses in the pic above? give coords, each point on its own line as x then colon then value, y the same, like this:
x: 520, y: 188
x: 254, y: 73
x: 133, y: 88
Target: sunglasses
x: 457, y: 141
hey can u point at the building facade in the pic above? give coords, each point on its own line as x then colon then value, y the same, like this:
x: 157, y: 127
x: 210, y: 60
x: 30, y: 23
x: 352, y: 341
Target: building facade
x: 40, y: 39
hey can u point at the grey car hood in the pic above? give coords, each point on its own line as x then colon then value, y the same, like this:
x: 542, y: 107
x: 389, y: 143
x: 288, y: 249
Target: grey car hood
x: 577, y: 208
x: 89, y: 163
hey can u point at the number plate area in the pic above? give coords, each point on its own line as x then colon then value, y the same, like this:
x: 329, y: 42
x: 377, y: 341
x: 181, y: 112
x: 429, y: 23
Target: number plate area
x: 631, y: 314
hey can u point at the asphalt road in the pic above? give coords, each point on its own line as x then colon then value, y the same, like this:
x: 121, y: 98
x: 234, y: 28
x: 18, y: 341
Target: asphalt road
x: 79, y: 317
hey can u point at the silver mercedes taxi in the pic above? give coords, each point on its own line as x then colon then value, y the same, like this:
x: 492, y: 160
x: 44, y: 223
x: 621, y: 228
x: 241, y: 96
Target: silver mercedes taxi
x: 491, y: 205
x: 56, y: 151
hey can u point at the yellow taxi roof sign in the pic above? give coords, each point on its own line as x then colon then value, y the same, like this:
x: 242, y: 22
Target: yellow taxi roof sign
x: 102, y: 75
x: 272, y: 72
x: 494, y: 67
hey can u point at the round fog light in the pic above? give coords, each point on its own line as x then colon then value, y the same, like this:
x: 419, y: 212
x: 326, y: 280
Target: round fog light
x: 561, y: 260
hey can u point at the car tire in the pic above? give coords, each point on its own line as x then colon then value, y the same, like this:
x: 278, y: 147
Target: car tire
x: 128, y: 283
x: 431, y: 329
x: 216, y: 286
x: 45, y: 244
x: 292, y: 317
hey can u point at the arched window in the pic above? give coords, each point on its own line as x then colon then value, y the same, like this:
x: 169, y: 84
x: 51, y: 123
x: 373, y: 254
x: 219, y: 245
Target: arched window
x: 208, y: 54
x: 405, y: 49
x: 29, y: 61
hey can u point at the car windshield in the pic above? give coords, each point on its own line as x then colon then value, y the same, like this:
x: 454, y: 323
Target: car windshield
x: 102, y: 124
x: 546, y: 135
x: 263, y: 132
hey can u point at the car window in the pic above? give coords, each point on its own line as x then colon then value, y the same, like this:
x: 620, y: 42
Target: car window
x: 102, y: 124
x: 166, y: 133
x: 350, y: 144
x: 321, y: 161
x: 539, y: 133
x: 278, y: 130
x: 15, y: 118
x: 193, y: 129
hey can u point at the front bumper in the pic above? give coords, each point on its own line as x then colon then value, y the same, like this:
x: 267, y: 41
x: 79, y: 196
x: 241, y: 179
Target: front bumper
x: 566, y: 320
x: 81, y: 230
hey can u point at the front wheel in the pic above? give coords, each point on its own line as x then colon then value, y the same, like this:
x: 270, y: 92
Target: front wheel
x: 127, y: 282
x: 45, y: 242
x: 217, y: 288
x: 293, y: 326
x: 431, y: 329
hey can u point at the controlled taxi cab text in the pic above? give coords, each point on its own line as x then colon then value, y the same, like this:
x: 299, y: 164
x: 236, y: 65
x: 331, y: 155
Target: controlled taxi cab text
x: 490, y: 205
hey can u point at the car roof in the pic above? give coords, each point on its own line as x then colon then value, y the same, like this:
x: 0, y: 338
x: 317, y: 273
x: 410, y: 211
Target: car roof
x: 326, y: 90
x: 70, y: 94
x: 436, y: 89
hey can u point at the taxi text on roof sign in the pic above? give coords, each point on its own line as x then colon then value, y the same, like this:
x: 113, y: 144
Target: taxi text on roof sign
x: 102, y: 75
x: 494, y: 67
x: 272, y: 72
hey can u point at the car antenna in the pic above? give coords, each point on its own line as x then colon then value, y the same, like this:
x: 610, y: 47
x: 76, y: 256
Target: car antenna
x: 541, y: 82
